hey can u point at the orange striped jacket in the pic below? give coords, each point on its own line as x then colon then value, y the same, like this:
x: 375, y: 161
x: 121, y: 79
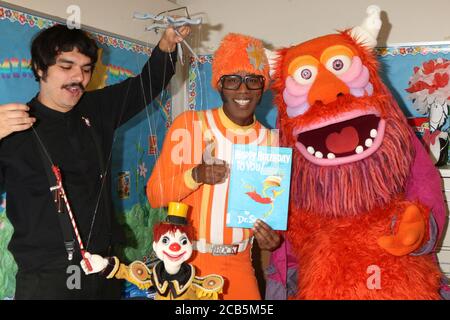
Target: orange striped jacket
x: 171, y: 179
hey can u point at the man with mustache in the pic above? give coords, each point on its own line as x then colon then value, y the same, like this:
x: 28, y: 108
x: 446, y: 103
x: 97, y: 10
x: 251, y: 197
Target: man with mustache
x: 75, y: 130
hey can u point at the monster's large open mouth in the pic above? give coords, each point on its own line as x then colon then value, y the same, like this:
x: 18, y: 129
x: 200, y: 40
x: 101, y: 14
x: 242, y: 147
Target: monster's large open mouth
x: 349, y: 138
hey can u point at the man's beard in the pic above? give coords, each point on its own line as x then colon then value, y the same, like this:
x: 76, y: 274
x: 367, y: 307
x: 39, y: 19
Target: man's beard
x: 358, y: 187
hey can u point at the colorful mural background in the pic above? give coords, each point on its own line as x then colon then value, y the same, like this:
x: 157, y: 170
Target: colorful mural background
x: 398, y: 63
x: 136, y: 143
x: 418, y: 76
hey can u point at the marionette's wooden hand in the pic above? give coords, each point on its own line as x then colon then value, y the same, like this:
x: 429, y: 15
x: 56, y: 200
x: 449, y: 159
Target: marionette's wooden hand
x: 268, y: 239
x: 98, y: 263
x: 212, y: 170
x: 14, y: 117
x: 410, y: 234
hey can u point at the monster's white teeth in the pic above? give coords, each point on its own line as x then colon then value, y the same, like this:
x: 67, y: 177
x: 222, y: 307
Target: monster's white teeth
x: 242, y: 102
x: 319, y: 152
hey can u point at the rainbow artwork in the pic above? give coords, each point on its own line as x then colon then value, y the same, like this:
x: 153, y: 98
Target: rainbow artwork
x: 15, y: 68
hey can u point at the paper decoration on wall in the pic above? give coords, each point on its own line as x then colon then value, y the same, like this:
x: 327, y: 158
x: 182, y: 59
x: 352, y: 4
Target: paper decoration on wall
x: 123, y: 185
x: 152, y: 145
x: 418, y: 76
x: 429, y: 92
x: 100, y: 75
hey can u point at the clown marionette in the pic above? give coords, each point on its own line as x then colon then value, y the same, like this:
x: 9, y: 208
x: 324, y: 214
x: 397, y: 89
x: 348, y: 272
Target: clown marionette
x: 172, y: 277
x: 356, y: 227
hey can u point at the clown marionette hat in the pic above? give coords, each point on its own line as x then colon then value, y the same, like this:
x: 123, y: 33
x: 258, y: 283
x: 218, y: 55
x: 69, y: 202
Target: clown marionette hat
x: 239, y: 52
x: 177, y: 213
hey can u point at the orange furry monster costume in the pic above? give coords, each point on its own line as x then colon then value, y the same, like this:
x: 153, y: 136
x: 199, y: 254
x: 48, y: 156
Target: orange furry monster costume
x: 350, y: 226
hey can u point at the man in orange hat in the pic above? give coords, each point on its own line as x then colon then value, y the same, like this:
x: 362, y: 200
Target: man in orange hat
x: 194, y: 166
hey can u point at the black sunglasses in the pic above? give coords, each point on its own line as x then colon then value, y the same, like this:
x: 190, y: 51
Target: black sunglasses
x: 234, y: 81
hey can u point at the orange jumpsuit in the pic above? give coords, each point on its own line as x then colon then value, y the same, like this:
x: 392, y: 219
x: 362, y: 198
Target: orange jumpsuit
x: 172, y: 180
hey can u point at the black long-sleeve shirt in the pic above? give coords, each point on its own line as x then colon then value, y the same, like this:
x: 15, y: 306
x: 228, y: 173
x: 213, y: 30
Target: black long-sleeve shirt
x: 37, y: 241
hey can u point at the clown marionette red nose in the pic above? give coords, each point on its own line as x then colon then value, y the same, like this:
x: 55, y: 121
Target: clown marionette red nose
x: 172, y: 277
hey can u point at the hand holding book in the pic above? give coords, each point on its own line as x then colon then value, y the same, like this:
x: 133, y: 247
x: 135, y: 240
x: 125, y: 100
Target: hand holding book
x: 268, y: 239
x: 212, y: 170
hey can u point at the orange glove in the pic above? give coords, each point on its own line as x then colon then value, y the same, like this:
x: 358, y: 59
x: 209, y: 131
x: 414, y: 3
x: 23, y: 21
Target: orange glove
x: 409, y: 237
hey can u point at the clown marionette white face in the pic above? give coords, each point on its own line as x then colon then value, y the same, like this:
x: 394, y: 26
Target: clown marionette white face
x: 171, y: 244
x: 173, y: 248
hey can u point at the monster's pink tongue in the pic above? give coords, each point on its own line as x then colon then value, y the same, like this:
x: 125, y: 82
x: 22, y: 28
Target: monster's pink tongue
x: 345, y: 141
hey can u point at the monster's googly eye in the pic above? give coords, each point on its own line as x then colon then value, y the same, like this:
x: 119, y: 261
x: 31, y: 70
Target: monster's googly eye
x: 305, y: 75
x: 339, y: 64
x: 304, y: 69
x: 337, y: 59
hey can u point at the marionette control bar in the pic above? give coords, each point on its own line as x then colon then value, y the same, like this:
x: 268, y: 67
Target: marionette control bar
x: 166, y: 21
x: 162, y: 22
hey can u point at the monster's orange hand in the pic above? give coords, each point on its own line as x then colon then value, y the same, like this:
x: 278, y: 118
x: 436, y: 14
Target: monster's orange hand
x: 411, y: 231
